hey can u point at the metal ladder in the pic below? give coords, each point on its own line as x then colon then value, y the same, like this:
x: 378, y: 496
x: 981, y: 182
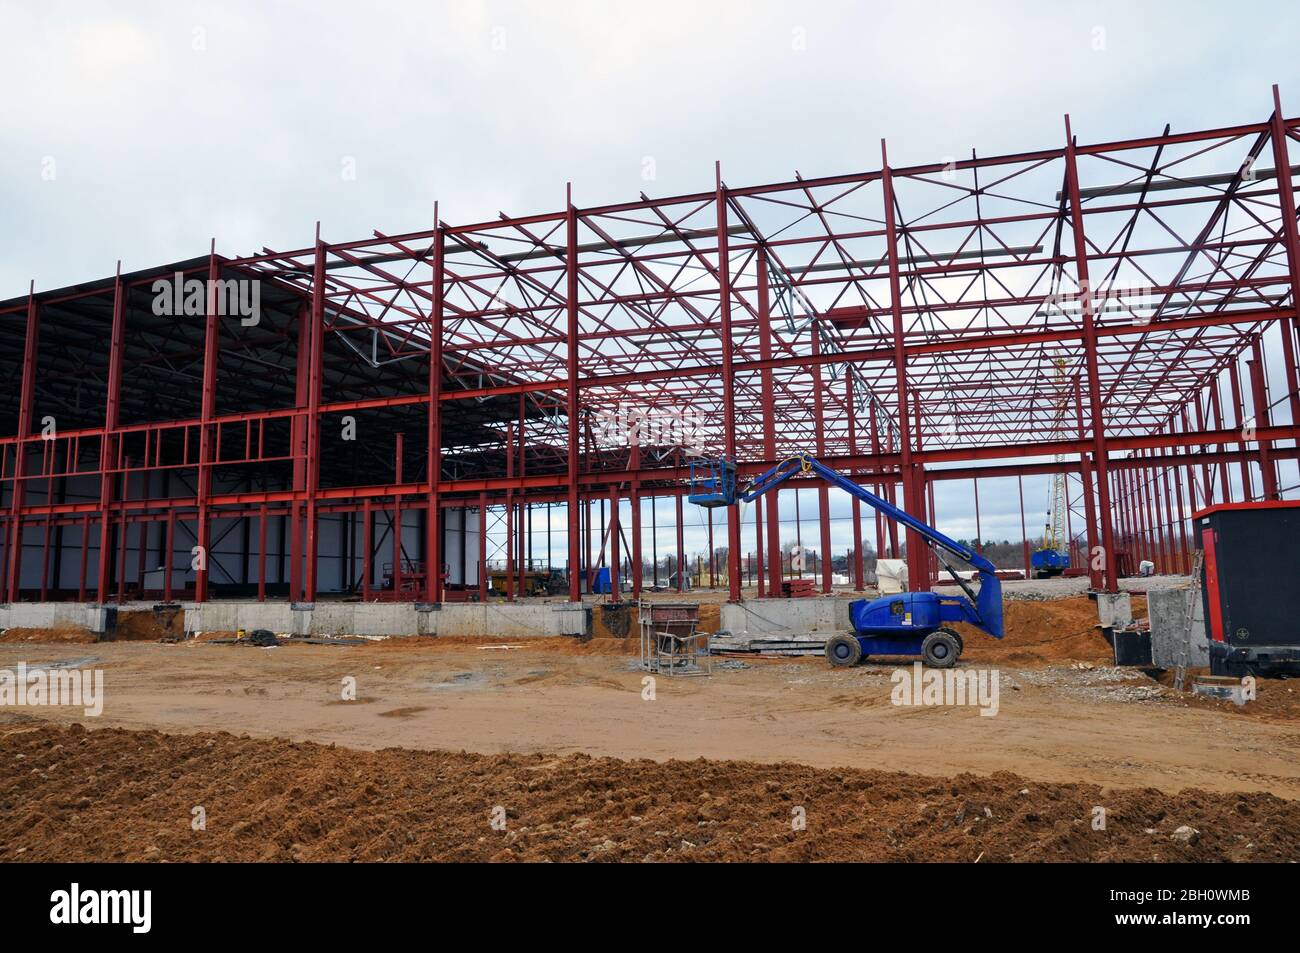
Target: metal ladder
x: 1192, y: 601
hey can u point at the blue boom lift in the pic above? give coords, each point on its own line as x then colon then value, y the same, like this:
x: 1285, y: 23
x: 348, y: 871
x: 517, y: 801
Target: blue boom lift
x: 909, y: 623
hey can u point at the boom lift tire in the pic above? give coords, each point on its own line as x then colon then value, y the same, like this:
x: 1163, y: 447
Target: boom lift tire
x: 843, y: 651
x: 940, y: 649
x: 961, y: 643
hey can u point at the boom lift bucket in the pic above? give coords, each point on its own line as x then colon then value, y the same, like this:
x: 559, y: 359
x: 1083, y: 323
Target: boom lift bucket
x: 713, y: 483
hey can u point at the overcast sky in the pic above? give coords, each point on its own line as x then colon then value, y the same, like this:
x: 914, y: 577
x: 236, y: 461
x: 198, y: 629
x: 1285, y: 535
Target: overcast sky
x: 142, y: 130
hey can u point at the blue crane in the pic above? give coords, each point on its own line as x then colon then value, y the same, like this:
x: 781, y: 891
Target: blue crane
x: 908, y: 623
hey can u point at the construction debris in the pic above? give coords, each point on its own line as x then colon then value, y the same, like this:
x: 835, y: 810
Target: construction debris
x: 1219, y: 686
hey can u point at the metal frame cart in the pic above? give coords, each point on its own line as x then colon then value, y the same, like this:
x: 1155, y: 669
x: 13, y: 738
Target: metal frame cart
x: 670, y: 644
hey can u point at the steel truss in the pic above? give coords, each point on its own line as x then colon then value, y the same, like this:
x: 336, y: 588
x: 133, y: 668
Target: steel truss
x: 1105, y: 307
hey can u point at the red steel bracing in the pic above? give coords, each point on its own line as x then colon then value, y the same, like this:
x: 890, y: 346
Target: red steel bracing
x: 951, y: 297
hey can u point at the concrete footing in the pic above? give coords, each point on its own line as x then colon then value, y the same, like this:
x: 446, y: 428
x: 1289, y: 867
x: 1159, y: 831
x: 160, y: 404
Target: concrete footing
x: 1168, y: 611
x: 757, y: 618
x: 498, y: 620
x: 781, y: 617
x: 1114, y: 609
x: 51, y: 615
x: 326, y: 618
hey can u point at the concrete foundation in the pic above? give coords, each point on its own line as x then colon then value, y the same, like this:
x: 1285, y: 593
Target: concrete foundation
x: 48, y: 615
x: 1114, y: 609
x: 1168, y: 627
x: 784, y: 617
x: 496, y: 620
x: 757, y: 618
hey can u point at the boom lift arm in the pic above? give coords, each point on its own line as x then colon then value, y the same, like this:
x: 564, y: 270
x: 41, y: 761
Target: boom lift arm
x: 894, y: 624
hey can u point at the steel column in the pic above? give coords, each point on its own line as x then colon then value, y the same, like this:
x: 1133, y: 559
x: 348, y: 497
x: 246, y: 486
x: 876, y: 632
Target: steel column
x: 26, y: 398
x: 108, y: 446
x: 918, y: 563
x: 571, y: 399
x: 728, y: 386
x: 1291, y: 242
x: 433, y: 526
x: 1098, y: 420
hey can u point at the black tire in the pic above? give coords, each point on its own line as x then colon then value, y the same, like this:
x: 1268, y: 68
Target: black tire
x: 940, y: 649
x: 961, y: 643
x: 843, y: 651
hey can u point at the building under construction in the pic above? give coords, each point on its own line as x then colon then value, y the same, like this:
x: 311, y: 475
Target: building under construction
x: 390, y: 417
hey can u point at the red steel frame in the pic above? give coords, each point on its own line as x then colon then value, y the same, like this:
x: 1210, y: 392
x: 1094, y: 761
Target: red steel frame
x: 949, y: 296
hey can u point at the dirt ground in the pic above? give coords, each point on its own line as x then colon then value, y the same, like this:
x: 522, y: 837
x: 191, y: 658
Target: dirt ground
x: 1063, y: 715
x: 68, y: 794
x: 548, y: 716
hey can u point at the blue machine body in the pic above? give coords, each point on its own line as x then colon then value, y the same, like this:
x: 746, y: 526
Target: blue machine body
x: 910, y: 612
x: 891, y: 625
x: 890, y: 645
x: 1049, y: 560
x: 898, y: 624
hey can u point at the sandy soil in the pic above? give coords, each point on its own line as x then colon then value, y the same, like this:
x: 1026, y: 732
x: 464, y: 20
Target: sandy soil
x: 67, y: 634
x: 1063, y: 716
x: 67, y: 794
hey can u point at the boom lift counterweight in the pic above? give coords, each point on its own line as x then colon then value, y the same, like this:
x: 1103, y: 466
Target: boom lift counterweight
x: 909, y: 623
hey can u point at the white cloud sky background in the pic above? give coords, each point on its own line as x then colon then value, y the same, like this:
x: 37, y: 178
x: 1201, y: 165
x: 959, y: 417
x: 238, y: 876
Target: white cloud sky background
x: 170, y: 123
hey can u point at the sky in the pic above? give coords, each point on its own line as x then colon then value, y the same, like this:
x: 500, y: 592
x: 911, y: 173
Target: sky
x: 142, y: 131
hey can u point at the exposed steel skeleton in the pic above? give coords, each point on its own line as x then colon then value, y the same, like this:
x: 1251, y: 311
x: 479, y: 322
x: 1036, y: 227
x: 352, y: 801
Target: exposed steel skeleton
x: 906, y: 323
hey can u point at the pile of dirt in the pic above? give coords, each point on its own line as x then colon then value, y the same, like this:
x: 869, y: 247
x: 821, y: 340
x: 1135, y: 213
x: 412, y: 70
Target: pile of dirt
x: 150, y: 625
x: 65, y: 633
x: 212, y: 635
x: 613, y: 620
x: 1045, y: 633
x: 67, y: 794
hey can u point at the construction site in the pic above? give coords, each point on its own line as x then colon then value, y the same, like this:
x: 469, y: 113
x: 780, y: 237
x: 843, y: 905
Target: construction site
x: 611, y: 532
